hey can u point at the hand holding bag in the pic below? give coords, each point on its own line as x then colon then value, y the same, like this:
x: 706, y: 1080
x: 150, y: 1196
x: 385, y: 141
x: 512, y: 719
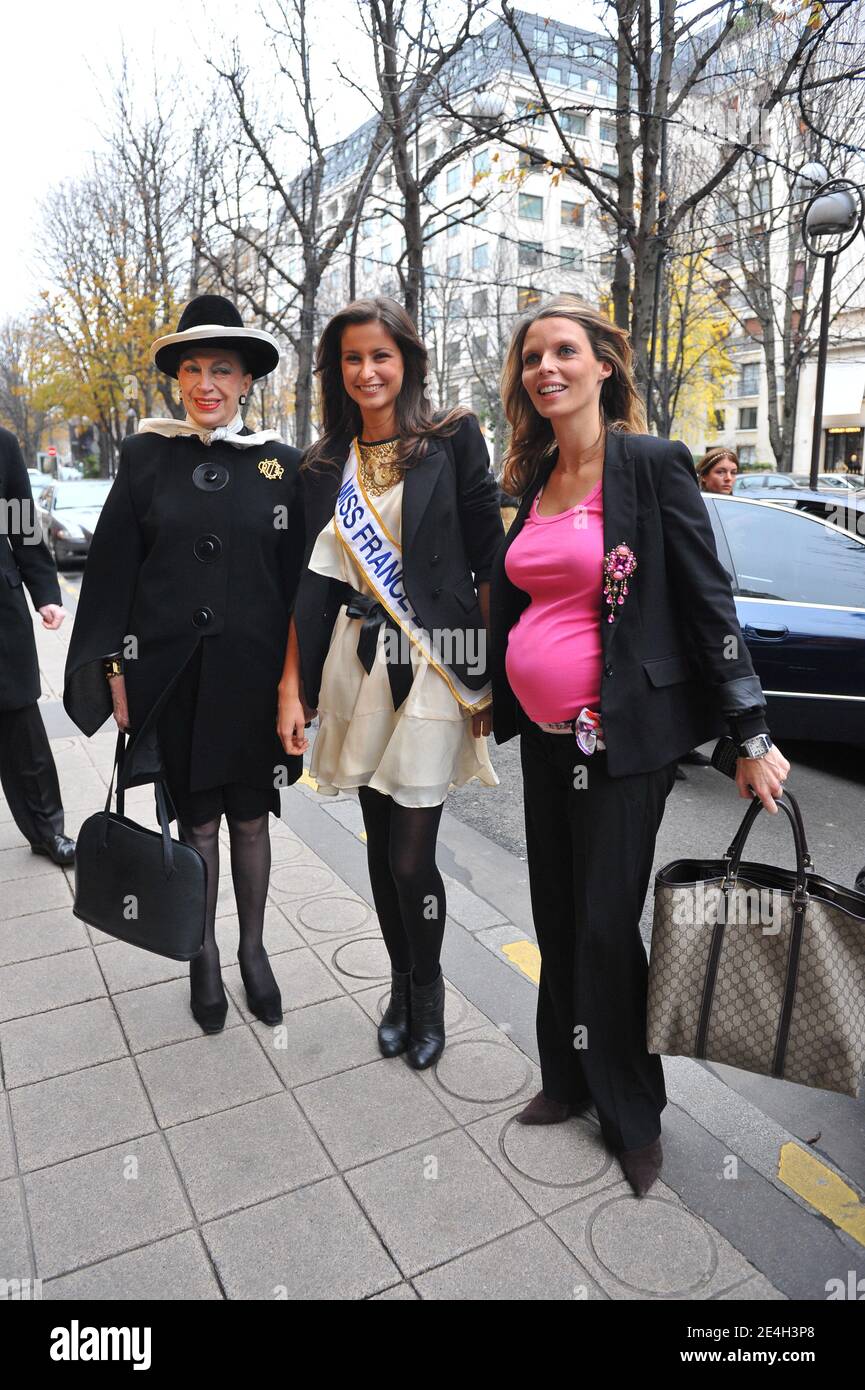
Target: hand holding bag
x: 138, y: 884
x: 760, y: 967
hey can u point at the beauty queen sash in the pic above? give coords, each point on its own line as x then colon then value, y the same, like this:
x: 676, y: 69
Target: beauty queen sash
x: 379, y: 558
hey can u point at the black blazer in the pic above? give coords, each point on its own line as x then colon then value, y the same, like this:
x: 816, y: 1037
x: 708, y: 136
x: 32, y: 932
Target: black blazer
x: 451, y: 530
x: 24, y: 560
x: 195, y: 543
x: 675, y: 663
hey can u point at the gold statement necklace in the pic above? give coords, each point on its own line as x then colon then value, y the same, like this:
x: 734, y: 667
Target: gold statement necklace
x: 378, y: 467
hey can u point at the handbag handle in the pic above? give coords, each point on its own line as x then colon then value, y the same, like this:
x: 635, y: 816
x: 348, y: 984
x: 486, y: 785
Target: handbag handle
x: 790, y: 808
x: 794, y: 806
x: 161, y: 806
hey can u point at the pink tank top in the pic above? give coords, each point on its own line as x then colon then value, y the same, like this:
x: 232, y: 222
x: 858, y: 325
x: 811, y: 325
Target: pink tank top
x: 554, y: 658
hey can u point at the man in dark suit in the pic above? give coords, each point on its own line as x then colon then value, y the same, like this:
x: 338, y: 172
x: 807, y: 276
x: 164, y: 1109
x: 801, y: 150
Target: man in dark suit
x: 27, y: 771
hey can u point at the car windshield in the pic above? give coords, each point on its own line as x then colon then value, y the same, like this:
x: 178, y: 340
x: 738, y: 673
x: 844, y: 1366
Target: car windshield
x: 91, y: 493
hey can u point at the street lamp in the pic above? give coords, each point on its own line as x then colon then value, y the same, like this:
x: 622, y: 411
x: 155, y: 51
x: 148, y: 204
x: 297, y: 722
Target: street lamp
x: 836, y: 209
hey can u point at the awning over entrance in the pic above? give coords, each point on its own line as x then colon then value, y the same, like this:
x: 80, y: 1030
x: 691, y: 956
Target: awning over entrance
x: 844, y: 389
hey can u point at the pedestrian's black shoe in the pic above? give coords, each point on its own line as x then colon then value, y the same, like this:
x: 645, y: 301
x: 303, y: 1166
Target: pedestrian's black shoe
x: 393, y: 1031
x: 59, y: 848
x: 265, y: 1004
x: 209, y: 1017
x: 696, y: 759
x: 427, y: 1025
x: 642, y: 1166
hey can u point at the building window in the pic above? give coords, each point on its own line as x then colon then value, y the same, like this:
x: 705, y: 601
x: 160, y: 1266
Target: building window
x: 481, y: 163
x: 799, y: 277
x: 572, y: 214
x: 531, y: 159
x: 452, y: 355
x: 428, y: 151
x: 481, y: 256
x: 454, y: 264
x: 571, y: 258
x: 556, y: 74
x: 479, y: 398
x: 453, y: 229
x: 531, y: 253
x: 576, y: 79
x: 753, y: 328
x: 386, y: 255
x: 608, y: 132
x: 479, y: 345
x: 480, y: 303
x: 611, y: 169
x: 454, y: 178
x: 531, y: 206
x: 748, y: 417
x: 749, y: 379
x: 608, y: 265
x: 530, y: 112
x: 527, y: 296
x: 430, y: 191
x: 572, y: 123
x: 747, y: 454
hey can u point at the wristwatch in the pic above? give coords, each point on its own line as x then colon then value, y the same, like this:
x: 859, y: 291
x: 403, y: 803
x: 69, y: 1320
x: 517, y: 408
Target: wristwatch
x: 756, y: 747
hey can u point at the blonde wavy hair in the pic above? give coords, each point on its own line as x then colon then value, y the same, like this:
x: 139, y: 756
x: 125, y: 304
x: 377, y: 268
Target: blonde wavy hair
x: 532, y: 438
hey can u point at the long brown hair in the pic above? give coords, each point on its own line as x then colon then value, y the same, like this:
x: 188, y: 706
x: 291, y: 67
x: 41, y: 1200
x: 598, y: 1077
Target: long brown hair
x: 713, y: 456
x: 341, y: 419
x: 532, y: 437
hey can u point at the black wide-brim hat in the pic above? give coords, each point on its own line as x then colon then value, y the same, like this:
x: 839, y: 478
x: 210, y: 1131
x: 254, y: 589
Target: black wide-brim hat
x: 212, y: 321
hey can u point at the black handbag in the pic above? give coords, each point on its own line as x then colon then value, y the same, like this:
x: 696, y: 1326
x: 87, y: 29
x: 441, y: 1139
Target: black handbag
x: 138, y: 884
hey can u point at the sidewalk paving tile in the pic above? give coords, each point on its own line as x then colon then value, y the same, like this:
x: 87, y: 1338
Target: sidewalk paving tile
x: 323, y: 1039
x: 399, y: 1292
x: 467, y: 908
x: 17, y: 1263
x: 7, y: 1148
x: 174, y: 1269
x: 60, y: 1041
x: 551, y: 1166
x: 301, y: 977
x: 160, y: 1014
x: 528, y: 1265
x: 93, y: 1207
x: 356, y: 961
x: 320, y: 919
x: 482, y: 1072
x: 437, y: 1200
x: 32, y: 986
x: 304, y: 878
x: 20, y: 862
x: 67, y: 1116
x: 23, y: 896
x: 40, y: 934
x: 313, y: 1244
x: 372, y: 1110
x: 191, y: 1079
x: 247, y: 1155
x: 646, y: 1248
x: 130, y: 967
x: 754, y: 1290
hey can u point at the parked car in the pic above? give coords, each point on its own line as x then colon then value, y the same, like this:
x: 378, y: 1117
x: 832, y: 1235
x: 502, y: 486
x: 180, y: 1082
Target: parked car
x: 38, y: 480
x: 799, y: 585
x: 68, y: 513
x: 845, y: 509
x: 754, y: 483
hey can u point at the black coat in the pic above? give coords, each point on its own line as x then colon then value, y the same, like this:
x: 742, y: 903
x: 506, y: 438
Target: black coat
x: 178, y: 558
x: 23, y: 561
x: 451, y: 530
x: 675, y: 662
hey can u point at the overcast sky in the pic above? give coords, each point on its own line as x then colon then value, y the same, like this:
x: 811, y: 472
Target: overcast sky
x: 57, y: 55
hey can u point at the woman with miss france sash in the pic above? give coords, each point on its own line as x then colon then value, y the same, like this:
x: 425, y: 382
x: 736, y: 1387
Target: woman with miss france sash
x: 389, y: 633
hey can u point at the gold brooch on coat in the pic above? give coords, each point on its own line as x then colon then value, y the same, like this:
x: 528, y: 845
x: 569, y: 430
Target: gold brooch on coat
x: 271, y: 468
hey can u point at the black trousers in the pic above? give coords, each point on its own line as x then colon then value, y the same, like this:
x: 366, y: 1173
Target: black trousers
x: 590, y: 851
x: 28, y: 774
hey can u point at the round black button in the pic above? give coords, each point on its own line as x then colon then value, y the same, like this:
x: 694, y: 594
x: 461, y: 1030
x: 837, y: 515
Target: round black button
x: 202, y: 617
x: 210, y: 477
x: 207, y: 548
x: 434, y: 559
x: 608, y: 670
x: 435, y: 593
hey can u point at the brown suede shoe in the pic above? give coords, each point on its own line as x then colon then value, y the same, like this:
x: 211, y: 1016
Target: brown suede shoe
x: 642, y: 1166
x: 543, y: 1111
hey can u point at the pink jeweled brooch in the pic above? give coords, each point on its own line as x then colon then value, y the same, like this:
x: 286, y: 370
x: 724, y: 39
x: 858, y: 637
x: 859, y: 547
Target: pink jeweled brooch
x: 619, y: 565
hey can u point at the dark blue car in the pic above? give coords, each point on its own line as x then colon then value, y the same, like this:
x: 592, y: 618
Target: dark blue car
x: 799, y: 584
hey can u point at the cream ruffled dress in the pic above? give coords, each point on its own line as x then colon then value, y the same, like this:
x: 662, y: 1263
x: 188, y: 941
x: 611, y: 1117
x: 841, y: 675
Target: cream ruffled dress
x: 414, y: 754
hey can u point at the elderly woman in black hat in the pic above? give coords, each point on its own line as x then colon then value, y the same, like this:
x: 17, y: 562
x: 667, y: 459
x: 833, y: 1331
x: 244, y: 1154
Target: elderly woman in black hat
x: 183, y: 620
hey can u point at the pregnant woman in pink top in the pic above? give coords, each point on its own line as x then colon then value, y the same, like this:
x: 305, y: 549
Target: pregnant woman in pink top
x: 615, y: 650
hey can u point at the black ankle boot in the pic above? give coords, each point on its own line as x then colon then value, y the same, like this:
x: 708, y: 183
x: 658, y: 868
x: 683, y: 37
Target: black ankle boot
x: 427, y: 1023
x: 209, y: 1017
x: 266, y: 1007
x: 393, y: 1031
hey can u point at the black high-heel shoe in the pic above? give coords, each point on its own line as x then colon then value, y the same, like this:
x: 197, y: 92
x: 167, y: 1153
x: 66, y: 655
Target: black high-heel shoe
x: 393, y: 1031
x: 209, y: 1017
x: 266, y: 1007
x: 427, y: 1039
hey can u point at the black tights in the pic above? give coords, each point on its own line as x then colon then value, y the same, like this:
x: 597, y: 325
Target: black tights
x: 250, y: 873
x: 407, y: 888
